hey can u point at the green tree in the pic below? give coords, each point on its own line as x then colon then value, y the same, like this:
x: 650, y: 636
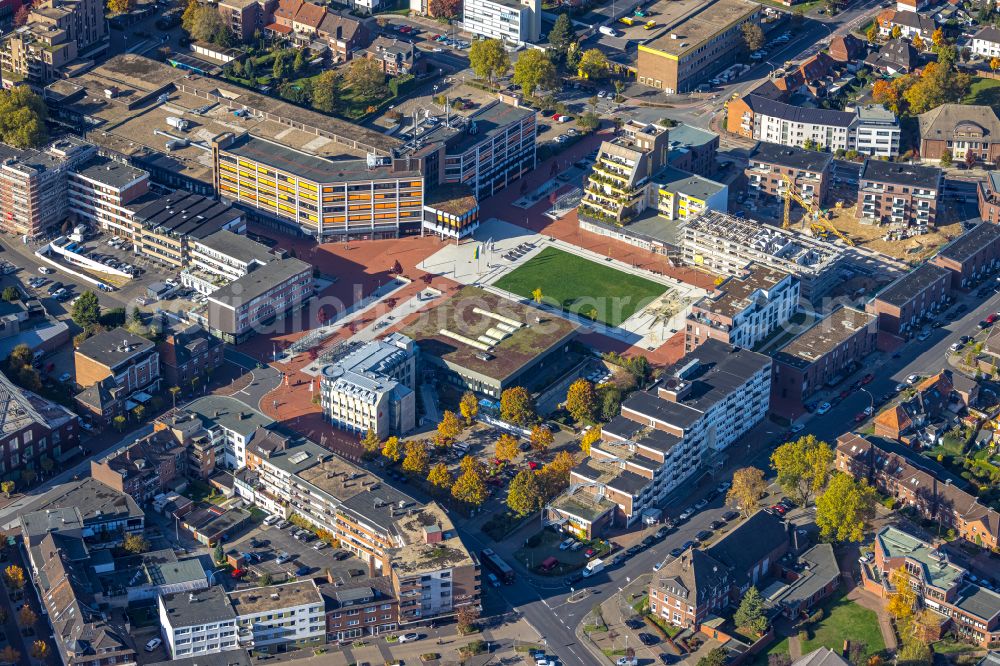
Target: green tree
x: 11, y: 294
x: 324, y: 91
x: 844, y: 509
x: 47, y: 464
x: 946, y: 158
x: 748, y: 487
x: 366, y: 79
x: 581, y: 401
x: 716, y: 657
x: 562, y: 35
x: 391, y: 449
x: 750, y: 614
x: 87, y: 310
x: 488, y: 59
x: 594, y: 64
x: 524, y: 495
x: 219, y: 554
x: 22, y: 118
x: 416, y: 459
x: 469, y: 488
x: 440, y: 477
x: 803, y: 467
x: 135, y: 544
x: 119, y: 422
x: 534, y: 70
x: 299, y: 64
x: 280, y: 66
x: 7, y: 487
x: 753, y: 36
x: 516, y: 406
x: 20, y: 356
x: 915, y: 653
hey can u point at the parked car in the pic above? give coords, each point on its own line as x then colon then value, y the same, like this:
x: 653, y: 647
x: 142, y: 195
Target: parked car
x: 730, y: 515
x: 152, y: 644
x: 676, y: 552
x: 65, y: 377
x: 648, y: 639
x: 282, y: 557
x: 823, y: 408
x: 45, y: 270
x: 913, y: 379
x: 703, y: 535
x: 716, y: 524
x: 408, y: 638
x: 687, y: 513
x: 701, y: 504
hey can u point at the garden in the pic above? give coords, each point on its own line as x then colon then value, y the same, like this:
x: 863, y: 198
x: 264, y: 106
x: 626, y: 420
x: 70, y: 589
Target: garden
x: 581, y: 286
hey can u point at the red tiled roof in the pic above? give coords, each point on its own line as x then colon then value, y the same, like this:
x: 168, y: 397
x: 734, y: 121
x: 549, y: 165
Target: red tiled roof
x: 276, y: 27
x: 310, y: 15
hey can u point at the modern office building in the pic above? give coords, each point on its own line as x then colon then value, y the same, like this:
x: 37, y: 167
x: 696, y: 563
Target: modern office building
x: 904, y: 195
x: 165, y: 228
x: 743, y: 310
x: 100, y: 191
x: 697, y: 46
x: 371, y: 387
x: 698, y: 408
x: 517, y: 22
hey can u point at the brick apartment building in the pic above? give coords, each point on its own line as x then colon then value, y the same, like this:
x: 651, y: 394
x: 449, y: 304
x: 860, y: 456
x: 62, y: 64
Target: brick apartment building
x: 901, y: 194
x: 988, y: 194
x: 971, y: 256
x: 960, y: 130
x: 823, y: 354
x: 744, y: 309
x: 911, y: 486
x: 112, y: 367
x: 144, y: 468
x: 702, y: 582
x: 769, y: 164
x: 368, y: 608
x: 33, y: 428
x: 905, y: 304
x: 188, y: 353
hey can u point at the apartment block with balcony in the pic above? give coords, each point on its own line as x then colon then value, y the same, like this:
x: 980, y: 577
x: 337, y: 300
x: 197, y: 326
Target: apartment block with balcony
x: 513, y: 21
x: 772, y: 166
x: 220, y: 258
x: 101, y: 189
x: 682, y: 195
x: 231, y: 426
x: 412, y: 542
x: 876, y: 131
x: 901, y: 195
x: 744, y: 310
x: 34, y: 184
x: 968, y: 609
x: 615, y: 191
x: 279, y: 617
x: 703, y: 403
x: 372, y: 387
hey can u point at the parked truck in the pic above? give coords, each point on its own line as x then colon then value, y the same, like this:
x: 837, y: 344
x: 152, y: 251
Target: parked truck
x: 594, y: 566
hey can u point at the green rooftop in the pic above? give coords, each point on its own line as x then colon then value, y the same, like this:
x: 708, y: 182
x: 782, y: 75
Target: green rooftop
x: 937, y: 570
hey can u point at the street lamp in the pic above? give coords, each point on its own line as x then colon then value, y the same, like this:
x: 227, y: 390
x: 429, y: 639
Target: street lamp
x: 871, y: 399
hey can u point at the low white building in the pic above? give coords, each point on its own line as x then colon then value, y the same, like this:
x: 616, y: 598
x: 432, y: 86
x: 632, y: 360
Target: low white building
x: 220, y: 258
x: 372, y: 387
x: 876, y: 131
x: 986, y: 42
x: 280, y: 615
x: 513, y: 21
x: 197, y: 622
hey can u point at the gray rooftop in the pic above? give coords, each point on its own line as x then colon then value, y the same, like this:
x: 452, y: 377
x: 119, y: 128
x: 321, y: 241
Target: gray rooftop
x: 229, y: 413
x: 20, y: 409
x: 896, y: 173
x: 185, y: 214
x: 115, y: 347
x: 186, y: 609
x: 238, y: 247
x: 683, y: 182
x: 798, y: 114
x: 259, y: 281
x: 908, y: 286
x: 227, y: 658
x: 109, y: 172
x: 684, y: 136
x: 95, y: 501
x: 824, y: 336
x: 365, y: 371
x: 971, y: 242
x: 979, y: 601
x: 791, y: 156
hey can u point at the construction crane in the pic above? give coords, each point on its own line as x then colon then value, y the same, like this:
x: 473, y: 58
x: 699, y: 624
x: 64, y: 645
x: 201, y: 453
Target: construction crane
x: 820, y: 223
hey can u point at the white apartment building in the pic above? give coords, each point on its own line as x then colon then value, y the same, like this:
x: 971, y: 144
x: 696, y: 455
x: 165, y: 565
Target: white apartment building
x: 508, y: 20
x: 702, y: 404
x: 221, y: 258
x: 230, y: 424
x: 289, y: 614
x: 100, y: 189
x: 744, y: 309
x: 371, y: 387
x: 196, y: 623
x: 986, y: 42
x: 871, y: 130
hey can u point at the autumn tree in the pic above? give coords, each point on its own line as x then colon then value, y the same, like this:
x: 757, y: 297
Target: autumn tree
x: 22, y: 118
x: 488, y: 59
x: 903, y: 600
x: 7, y: 487
x: 416, y: 459
x: 555, y: 476
x: 135, y: 544
x: 440, y: 477
x: 469, y: 407
x: 918, y: 43
x: 370, y: 444
x: 534, y: 70
x: 747, y: 489
x: 590, y: 438
x: 9, y: 655
x: 466, y: 617
x: 21, y: 16
x: 507, y: 447
x: 753, y: 36
x: 937, y: 84
x: 471, y: 464
x: 541, y: 438
x: 391, y: 450
x: 872, y: 33
x: 946, y: 158
x: 40, y: 650
x: 120, y: 6
x: 581, y: 401
x: 14, y: 576
x: 366, y: 78
x: 937, y: 37
x: 896, y: 32
x: 844, y: 509
x: 444, y: 8
x: 524, y: 495
x: 26, y: 617
x: 516, y: 406
x: 449, y: 427
x: 324, y: 90
x: 594, y: 64
x: 469, y: 488
x: 803, y: 467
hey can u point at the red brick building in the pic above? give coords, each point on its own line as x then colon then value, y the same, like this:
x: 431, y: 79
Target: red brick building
x: 366, y: 608
x: 904, y: 305
x: 971, y: 256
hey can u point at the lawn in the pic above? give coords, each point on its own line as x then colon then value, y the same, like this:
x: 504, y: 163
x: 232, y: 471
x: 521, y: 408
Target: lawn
x: 581, y: 286
x: 845, y: 619
x: 983, y: 91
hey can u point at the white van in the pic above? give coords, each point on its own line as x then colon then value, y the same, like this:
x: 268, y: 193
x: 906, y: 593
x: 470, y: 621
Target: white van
x: 271, y: 520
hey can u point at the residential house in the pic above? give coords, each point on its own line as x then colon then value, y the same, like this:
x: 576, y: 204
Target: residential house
x: 344, y: 34
x: 361, y: 608
x: 966, y: 132
x: 909, y: 23
x: 307, y: 21
x: 972, y: 256
x: 681, y: 195
x: 847, y: 49
x: 189, y: 356
x: 197, y: 623
x: 988, y: 194
x: 116, y: 369
x: 931, y: 398
x: 986, y: 42
x: 32, y: 430
x: 144, y: 468
x: 397, y: 57
x: 895, y: 57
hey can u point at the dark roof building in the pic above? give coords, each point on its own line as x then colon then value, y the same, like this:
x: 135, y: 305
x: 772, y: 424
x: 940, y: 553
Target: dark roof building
x: 790, y: 156
x: 896, y: 56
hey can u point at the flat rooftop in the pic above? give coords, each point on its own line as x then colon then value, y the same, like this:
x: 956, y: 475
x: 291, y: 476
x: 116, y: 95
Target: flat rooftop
x: 186, y: 609
x: 740, y: 292
x: 417, y: 556
x: 824, y: 336
x: 936, y: 567
x: 897, y: 173
x: 684, y: 182
x: 968, y: 244
x: 464, y: 314
x: 259, y: 281
x: 109, y: 172
x: 691, y: 32
x: 275, y: 597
